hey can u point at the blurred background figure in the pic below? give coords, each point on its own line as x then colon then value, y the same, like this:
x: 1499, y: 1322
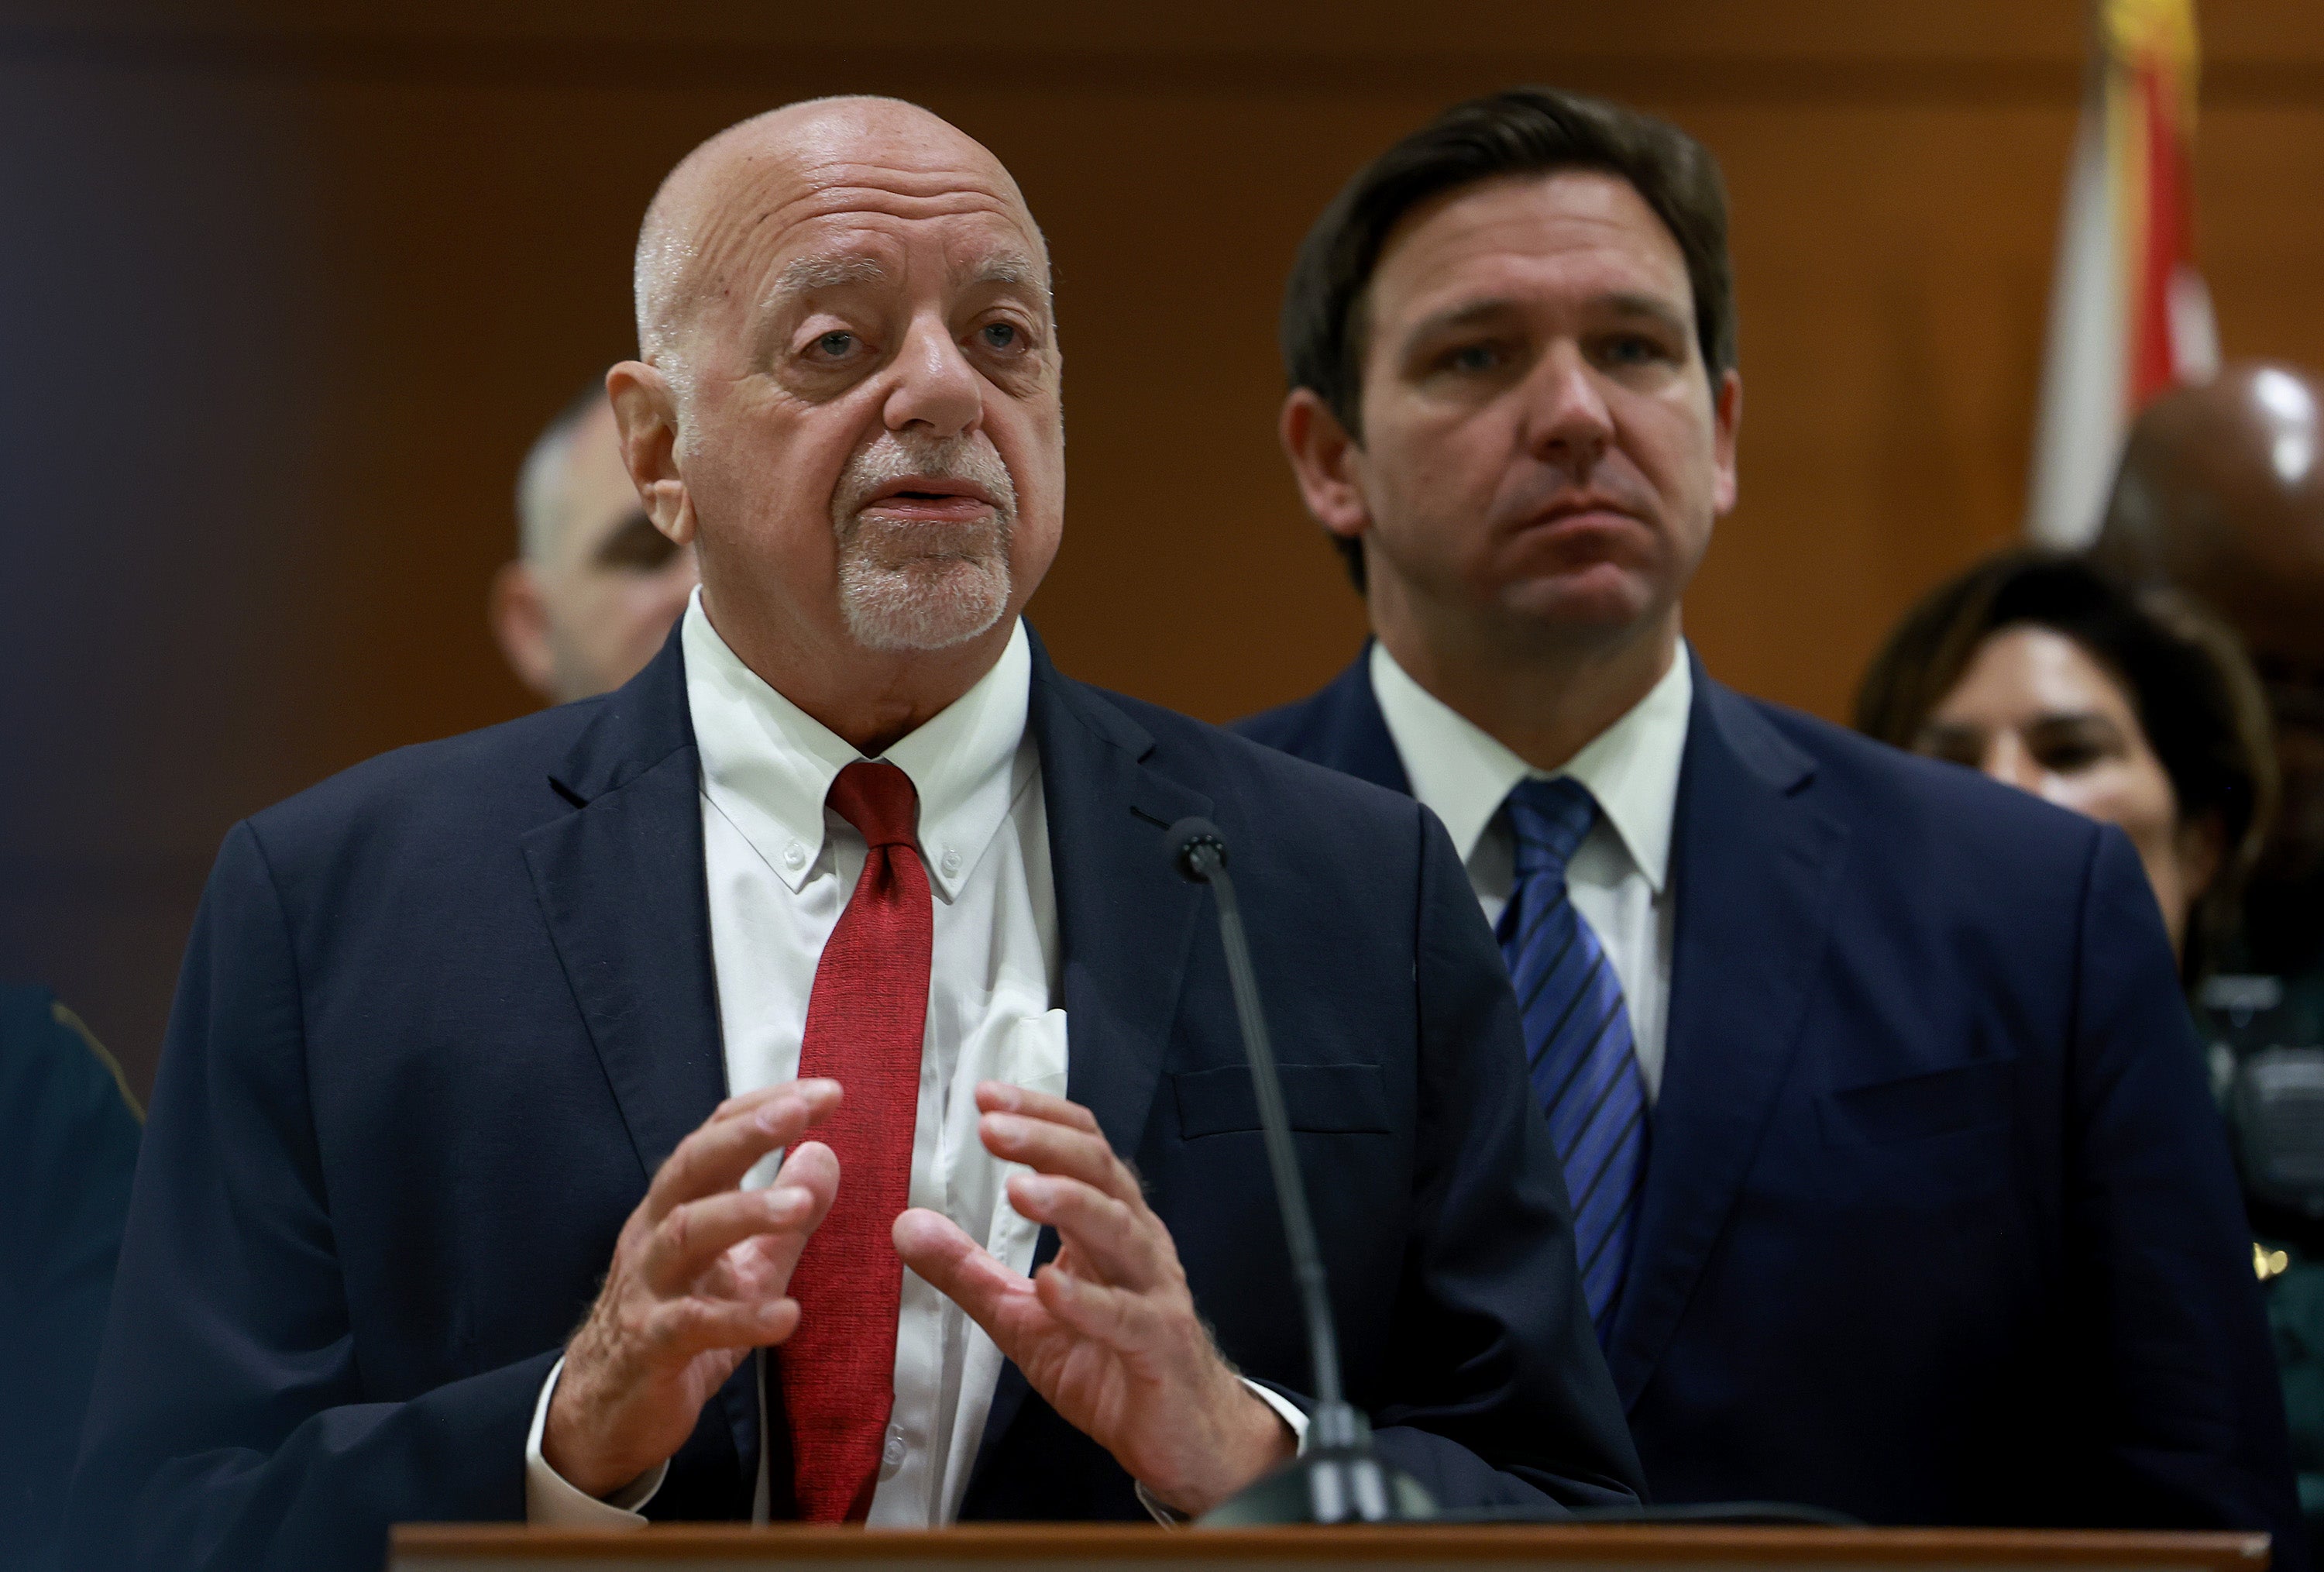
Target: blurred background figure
x: 2221, y: 495
x: 2137, y: 709
x: 595, y: 587
x: 68, y: 1130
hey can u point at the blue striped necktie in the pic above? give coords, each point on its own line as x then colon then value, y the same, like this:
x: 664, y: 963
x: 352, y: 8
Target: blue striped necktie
x: 1578, y: 1047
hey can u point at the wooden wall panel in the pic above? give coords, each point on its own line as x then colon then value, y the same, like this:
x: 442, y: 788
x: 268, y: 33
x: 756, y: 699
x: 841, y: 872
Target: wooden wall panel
x: 289, y: 291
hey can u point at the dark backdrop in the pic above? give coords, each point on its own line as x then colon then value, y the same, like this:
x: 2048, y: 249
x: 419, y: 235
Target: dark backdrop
x: 285, y: 294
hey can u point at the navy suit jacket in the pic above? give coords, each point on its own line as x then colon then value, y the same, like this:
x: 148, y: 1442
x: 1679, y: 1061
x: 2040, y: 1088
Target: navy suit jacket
x: 1939, y: 1223
x: 442, y: 1015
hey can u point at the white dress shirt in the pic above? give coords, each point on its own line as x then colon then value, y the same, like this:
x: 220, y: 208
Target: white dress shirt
x: 1620, y: 877
x: 780, y: 868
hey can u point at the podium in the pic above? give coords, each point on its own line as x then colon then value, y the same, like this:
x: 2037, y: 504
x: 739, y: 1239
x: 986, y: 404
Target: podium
x: 1420, y: 1547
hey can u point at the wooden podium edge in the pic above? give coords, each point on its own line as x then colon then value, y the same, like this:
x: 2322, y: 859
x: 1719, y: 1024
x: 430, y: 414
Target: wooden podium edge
x: 417, y: 1544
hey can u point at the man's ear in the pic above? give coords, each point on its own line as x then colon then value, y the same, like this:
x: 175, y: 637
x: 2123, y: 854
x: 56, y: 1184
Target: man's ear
x: 645, y: 414
x: 1327, y: 463
x: 1726, y: 421
x: 520, y: 619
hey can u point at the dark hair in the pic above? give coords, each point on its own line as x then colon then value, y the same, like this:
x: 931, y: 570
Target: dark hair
x: 1522, y: 131
x: 2187, y: 677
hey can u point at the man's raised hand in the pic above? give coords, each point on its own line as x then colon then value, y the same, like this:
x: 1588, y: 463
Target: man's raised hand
x: 1106, y: 1333
x: 697, y: 1282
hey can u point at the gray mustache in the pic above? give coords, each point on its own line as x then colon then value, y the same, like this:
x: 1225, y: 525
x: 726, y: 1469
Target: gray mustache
x: 892, y: 457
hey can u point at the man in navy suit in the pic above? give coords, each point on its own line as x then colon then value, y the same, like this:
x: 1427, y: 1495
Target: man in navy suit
x: 1897, y: 1186
x: 840, y: 940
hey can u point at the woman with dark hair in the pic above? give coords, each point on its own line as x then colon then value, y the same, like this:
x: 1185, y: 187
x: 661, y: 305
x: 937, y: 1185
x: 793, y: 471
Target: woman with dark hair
x: 2131, y: 706
x: 2136, y: 707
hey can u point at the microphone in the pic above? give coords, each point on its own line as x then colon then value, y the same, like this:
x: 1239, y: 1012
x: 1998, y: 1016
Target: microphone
x: 1337, y: 1479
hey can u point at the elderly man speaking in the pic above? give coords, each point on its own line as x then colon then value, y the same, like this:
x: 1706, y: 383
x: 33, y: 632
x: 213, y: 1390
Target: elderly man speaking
x: 488, y: 1041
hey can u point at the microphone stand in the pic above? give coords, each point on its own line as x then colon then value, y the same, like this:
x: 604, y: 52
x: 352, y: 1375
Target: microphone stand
x: 1337, y: 1478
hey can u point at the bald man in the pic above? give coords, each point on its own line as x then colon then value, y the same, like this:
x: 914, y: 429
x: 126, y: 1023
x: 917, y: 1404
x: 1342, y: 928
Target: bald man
x: 2221, y: 494
x: 595, y: 586
x: 522, y: 1089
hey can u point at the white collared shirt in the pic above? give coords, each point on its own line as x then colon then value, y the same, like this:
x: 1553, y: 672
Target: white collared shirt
x: 1620, y: 877
x: 779, y: 869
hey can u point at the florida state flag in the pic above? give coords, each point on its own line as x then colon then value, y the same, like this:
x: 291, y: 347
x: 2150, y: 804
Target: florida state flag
x: 2128, y: 312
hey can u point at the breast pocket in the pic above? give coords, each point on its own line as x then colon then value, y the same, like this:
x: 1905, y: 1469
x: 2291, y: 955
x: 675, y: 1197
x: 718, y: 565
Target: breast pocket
x: 1947, y: 1101
x: 1322, y: 1098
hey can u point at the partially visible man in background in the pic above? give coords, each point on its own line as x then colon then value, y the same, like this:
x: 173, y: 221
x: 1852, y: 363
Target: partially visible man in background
x: 2221, y: 495
x: 595, y: 588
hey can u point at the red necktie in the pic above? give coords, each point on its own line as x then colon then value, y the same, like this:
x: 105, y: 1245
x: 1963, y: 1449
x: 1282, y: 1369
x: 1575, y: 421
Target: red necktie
x: 865, y: 1022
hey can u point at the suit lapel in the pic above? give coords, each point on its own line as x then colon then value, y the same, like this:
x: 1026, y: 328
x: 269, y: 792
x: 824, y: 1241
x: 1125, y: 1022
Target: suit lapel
x: 622, y: 884
x: 1125, y: 923
x: 1125, y: 917
x: 1755, y: 859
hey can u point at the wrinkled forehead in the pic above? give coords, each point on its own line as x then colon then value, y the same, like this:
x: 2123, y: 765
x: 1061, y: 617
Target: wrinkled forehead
x: 834, y: 215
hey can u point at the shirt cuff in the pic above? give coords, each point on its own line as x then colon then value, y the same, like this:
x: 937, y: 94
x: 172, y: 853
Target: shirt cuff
x: 551, y: 1502
x: 1170, y: 1517
x: 1289, y: 1412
